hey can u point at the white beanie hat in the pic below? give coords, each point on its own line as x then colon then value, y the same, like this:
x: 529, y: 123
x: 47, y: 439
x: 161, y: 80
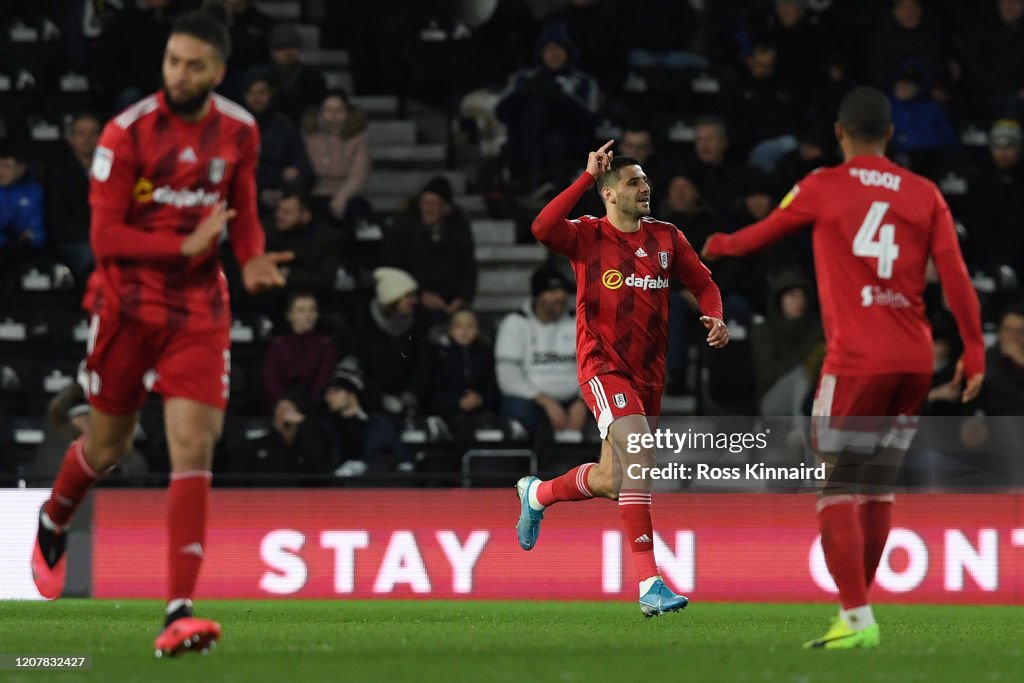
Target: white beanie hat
x: 393, y: 284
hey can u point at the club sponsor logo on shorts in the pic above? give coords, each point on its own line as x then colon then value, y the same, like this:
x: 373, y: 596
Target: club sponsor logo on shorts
x: 620, y: 400
x: 102, y: 162
x: 217, y: 168
x: 663, y: 259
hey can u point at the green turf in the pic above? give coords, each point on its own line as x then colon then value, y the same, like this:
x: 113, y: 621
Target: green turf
x: 525, y: 642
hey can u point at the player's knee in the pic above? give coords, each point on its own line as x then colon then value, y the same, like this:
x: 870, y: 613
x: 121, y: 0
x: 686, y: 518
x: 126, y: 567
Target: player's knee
x: 601, y: 484
x: 189, y: 444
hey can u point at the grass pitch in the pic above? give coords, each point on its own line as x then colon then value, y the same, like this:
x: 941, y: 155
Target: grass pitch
x: 298, y: 641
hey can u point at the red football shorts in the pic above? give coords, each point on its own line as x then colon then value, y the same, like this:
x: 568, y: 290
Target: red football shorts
x: 610, y: 397
x: 860, y: 412
x: 126, y: 359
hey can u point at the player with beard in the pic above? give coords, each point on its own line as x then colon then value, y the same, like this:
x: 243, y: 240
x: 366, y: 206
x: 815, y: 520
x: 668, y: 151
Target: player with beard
x: 623, y: 263
x: 164, y: 175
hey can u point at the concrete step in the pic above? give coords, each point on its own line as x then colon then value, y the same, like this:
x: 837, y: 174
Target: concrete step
x: 498, y: 303
x: 282, y: 10
x: 389, y: 181
x: 325, y: 58
x: 529, y: 254
x: 397, y: 132
x: 472, y: 204
x: 310, y: 36
x: 409, y: 154
x: 489, y: 231
x: 338, y: 80
x: 504, y: 280
x: 377, y: 105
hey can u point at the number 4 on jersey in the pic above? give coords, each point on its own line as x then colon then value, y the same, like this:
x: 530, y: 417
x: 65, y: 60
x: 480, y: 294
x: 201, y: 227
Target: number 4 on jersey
x: 884, y: 248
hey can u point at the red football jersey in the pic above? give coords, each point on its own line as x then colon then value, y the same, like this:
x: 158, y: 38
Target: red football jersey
x: 154, y: 177
x: 622, y: 287
x: 875, y: 226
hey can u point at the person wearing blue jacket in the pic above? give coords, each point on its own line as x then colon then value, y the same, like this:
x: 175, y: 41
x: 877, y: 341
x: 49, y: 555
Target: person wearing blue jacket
x: 21, y: 208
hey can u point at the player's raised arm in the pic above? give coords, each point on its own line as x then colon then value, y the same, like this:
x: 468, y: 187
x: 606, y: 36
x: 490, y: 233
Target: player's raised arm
x: 111, y: 189
x: 963, y: 300
x: 551, y: 227
x: 796, y: 210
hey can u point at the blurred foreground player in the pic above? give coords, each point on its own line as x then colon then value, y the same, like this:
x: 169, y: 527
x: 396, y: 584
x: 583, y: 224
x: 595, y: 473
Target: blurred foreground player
x: 164, y: 173
x: 875, y: 227
x: 623, y: 263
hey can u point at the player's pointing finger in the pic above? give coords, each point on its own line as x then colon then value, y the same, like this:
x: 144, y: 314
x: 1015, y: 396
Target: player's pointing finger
x: 605, y: 146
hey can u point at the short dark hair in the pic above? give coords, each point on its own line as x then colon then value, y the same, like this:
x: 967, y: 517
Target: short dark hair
x: 205, y: 25
x: 865, y: 114
x: 611, y: 177
x: 297, y: 294
x: 13, y: 150
x: 301, y: 198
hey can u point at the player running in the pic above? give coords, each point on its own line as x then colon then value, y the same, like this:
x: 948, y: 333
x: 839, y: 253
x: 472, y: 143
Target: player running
x: 623, y: 263
x: 875, y: 227
x: 164, y: 174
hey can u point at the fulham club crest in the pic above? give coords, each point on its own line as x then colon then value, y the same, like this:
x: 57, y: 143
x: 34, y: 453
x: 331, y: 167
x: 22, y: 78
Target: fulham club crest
x: 620, y: 400
x: 663, y: 259
x: 217, y: 167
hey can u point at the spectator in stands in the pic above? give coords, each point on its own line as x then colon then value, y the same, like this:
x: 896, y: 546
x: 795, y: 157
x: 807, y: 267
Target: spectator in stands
x: 994, y: 62
x: 250, y: 29
x: 944, y: 395
x: 292, y: 446
x: 550, y: 111
x: 392, y: 347
x: 294, y: 228
x: 356, y: 441
x: 659, y: 34
x: 338, y: 145
x: 637, y: 141
x: 799, y: 43
x: 907, y: 33
x: 284, y: 165
x: 1003, y: 390
x: 717, y: 176
x: 131, y: 50
x: 21, y: 207
x: 433, y: 242
x: 67, y: 195
x: 786, y: 346
x: 994, y: 211
x: 535, y: 355
x: 297, y: 87
x: 463, y: 384
x: 815, y: 148
x: 298, y: 363
x: 920, y: 123
x: 67, y: 418
x: 764, y: 111
x: 684, y: 207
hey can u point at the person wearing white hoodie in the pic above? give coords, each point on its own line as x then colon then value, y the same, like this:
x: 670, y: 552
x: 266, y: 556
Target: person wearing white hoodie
x: 535, y: 353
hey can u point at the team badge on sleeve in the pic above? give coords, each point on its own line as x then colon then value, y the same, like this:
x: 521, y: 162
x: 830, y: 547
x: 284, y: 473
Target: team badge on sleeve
x: 663, y: 258
x: 217, y: 167
x: 790, y: 196
x: 102, y: 162
x: 620, y: 400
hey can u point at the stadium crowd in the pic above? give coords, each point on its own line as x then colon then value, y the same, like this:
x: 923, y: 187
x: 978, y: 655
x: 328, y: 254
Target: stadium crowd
x: 374, y: 349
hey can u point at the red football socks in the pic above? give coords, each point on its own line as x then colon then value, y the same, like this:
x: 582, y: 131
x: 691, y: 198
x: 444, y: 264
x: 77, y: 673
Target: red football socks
x: 187, y: 500
x: 875, y: 520
x: 71, y: 485
x: 635, y: 507
x: 572, y: 485
x: 843, y: 544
